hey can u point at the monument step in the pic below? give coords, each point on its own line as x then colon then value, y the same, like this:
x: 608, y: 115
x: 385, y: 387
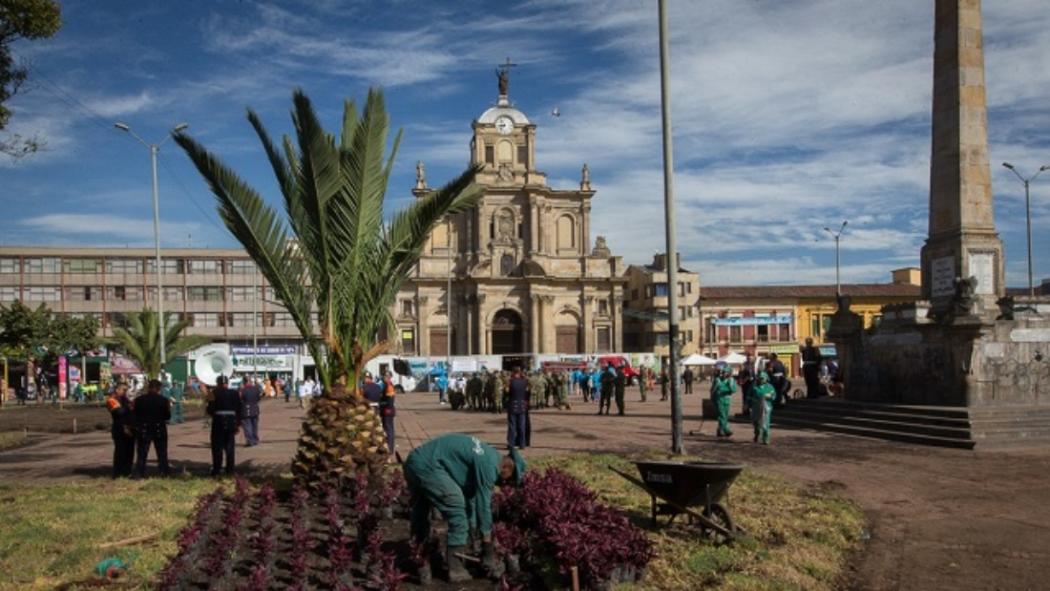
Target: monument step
x: 892, y: 435
x: 883, y: 421
x: 888, y: 414
x: 908, y: 409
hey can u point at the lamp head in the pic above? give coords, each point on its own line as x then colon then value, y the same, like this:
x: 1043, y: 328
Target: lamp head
x: 180, y: 127
x: 844, y: 222
x: 1008, y: 165
x: 122, y: 126
x: 1044, y: 167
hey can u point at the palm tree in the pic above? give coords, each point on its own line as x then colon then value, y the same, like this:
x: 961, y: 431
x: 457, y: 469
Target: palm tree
x: 333, y: 255
x: 141, y: 343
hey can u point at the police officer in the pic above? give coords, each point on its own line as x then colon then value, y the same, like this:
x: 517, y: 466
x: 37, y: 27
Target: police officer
x: 382, y: 404
x: 152, y: 412
x: 225, y: 411
x: 122, y: 430
x: 517, y: 410
x: 251, y: 395
x: 607, y: 379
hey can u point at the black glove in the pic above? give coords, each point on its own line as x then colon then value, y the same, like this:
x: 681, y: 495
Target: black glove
x: 488, y: 560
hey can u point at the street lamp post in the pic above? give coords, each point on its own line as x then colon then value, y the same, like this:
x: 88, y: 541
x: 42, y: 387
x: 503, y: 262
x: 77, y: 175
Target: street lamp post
x: 838, y: 238
x: 1028, y: 216
x: 153, y: 149
x: 677, y: 446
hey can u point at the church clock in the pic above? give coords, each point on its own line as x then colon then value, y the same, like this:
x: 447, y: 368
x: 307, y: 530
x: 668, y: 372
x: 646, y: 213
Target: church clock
x: 504, y: 125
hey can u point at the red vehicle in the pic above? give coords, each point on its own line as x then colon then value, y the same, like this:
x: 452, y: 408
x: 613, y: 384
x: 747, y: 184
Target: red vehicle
x: 618, y: 361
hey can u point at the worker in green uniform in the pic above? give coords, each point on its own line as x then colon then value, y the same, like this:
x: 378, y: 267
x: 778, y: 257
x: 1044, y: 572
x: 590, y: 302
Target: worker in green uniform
x: 762, y: 396
x: 174, y: 394
x: 722, y: 389
x: 456, y: 474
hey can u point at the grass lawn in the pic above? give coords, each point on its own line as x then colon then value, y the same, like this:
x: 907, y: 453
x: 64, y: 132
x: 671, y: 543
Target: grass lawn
x: 798, y: 538
x: 50, y: 533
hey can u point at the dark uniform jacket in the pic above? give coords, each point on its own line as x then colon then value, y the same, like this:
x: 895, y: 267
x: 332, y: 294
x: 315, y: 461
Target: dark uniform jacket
x: 152, y: 409
x: 606, y: 380
x: 620, y: 382
x: 250, y: 397
x: 123, y: 419
x: 518, y: 396
x: 225, y: 400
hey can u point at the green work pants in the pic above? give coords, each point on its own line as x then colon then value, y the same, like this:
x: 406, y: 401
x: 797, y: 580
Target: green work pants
x: 722, y: 404
x: 176, y: 412
x: 435, y: 488
x: 761, y: 421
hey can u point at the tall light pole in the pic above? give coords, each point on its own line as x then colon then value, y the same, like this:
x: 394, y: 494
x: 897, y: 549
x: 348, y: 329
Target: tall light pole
x: 153, y: 149
x: 672, y: 248
x: 1028, y: 217
x: 448, y: 307
x: 838, y: 238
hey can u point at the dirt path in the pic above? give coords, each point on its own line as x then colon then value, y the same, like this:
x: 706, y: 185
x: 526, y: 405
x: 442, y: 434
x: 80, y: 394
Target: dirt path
x: 940, y: 518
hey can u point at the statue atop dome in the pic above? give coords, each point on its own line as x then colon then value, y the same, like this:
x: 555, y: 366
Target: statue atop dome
x: 503, y: 76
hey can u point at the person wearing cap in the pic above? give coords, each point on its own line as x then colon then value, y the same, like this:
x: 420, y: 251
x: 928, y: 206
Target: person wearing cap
x: 456, y: 474
x: 517, y: 410
x: 381, y: 398
x: 251, y: 396
x: 224, y: 408
x: 762, y: 397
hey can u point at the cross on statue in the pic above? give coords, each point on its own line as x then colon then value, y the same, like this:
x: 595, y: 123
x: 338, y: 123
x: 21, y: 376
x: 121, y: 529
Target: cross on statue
x: 503, y: 75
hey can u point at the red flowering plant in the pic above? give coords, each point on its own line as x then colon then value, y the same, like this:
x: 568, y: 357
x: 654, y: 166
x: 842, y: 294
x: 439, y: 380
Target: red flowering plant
x: 555, y: 518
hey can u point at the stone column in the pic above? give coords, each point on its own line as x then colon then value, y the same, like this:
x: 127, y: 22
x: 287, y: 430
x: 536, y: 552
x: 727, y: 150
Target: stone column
x: 617, y: 318
x: 422, y: 329
x: 585, y: 230
x: 962, y: 239
x: 547, y: 327
x: 588, y: 330
x: 534, y: 323
x: 468, y: 307
x: 482, y: 329
x: 534, y: 227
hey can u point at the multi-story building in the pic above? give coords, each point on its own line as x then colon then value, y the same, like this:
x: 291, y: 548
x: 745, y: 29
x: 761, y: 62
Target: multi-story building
x: 645, y: 308
x: 520, y: 268
x: 778, y: 319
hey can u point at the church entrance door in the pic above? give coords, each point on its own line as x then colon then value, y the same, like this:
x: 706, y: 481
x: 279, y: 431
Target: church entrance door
x: 507, y: 333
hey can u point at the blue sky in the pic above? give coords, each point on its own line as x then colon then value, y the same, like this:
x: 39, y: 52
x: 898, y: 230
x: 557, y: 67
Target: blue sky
x: 788, y: 116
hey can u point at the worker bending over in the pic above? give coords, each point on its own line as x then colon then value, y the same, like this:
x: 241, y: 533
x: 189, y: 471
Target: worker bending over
x: 456, y: 474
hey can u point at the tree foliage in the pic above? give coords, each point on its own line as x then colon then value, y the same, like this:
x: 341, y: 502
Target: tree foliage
x: 140, y: 340
x: 40, y: 336
x: 21, y: 19
x: 331, y: 253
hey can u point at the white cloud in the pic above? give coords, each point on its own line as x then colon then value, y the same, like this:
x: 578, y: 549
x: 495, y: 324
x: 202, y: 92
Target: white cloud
x: 121, y: 106
x: 99, y: 229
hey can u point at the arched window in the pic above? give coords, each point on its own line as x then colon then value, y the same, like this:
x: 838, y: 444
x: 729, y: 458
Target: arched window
x: 505, y: 151
x: 566, y: 233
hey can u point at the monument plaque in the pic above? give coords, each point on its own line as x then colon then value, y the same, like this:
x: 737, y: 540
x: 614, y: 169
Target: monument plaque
x: 942, y: 277
x: 982, y: 266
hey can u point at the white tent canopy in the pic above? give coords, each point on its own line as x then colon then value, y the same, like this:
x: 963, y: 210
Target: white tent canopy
x: 698, y: 359
x: 733, y: 358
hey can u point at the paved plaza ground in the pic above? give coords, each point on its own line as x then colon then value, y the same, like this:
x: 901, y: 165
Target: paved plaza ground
x: 939, y: 518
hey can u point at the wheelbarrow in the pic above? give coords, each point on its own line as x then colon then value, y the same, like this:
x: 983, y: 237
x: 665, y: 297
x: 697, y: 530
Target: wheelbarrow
x: 678, y: 488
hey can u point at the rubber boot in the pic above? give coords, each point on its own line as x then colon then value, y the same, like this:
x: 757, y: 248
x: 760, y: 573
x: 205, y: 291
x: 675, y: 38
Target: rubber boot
x: 457, y: 573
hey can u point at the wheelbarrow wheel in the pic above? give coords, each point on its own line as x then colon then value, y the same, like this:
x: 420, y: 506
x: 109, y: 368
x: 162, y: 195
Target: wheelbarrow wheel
x: 720, y: 515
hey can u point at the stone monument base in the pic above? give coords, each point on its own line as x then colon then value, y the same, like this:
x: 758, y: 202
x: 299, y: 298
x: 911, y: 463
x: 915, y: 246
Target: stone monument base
x: 991, y: 363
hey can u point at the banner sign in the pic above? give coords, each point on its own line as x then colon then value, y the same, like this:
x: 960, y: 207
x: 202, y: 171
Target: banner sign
x: 262, y: 350
x: 62, y: 368
x: 464, y: 365
x: 753, y: 320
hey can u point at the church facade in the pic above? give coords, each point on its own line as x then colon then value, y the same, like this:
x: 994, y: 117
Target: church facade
x: 518, y: 273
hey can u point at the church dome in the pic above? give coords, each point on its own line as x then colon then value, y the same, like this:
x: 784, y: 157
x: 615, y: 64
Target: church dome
x: 503, y: 107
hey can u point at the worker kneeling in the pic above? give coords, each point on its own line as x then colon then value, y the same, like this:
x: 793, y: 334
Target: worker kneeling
x: 456, y: 474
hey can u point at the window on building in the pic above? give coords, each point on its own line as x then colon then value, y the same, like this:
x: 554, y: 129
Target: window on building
x: 408, y: 335
x: 170, y: 266
x: 825, y: 323
x: 736, y: 335
x: 240, y: 267
x: 604, y: 340
x: 42, y: 294
x: 408, y: 307
x: 762, y: 333
x: 9, y: 294
x: 82, y: 265
x: 171, y: 294
x: 634, y: 294
x: 814, y: 325
x: 206, y: 319
x: 659, y: 290
x: 784, y: 332
x: 124, y: 266
x: 43, y: 265
x: 283, y: 320
x: 523, y: 156
x: 683, y: 288
x: 239, y: 319
x: 9, y: 265
x: 490, y: 158
x: 711, y: 331
x: 603, y: 307
x: 205, y: 266
x: 240, y: 294
x: 876, y: 320
x: 688, y: 336
x: 204, y: 294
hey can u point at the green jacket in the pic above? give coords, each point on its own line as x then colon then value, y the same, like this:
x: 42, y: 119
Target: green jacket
x: 763, y: 392
x: 472, y: 464
x: 723, y: 387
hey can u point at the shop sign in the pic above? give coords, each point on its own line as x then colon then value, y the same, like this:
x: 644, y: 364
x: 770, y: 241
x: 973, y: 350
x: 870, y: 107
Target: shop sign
x: 754, y: 320
x: 790, y: 349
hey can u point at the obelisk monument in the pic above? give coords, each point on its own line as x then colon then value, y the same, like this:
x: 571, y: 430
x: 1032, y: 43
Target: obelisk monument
x: 962, y: 239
